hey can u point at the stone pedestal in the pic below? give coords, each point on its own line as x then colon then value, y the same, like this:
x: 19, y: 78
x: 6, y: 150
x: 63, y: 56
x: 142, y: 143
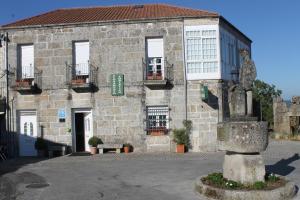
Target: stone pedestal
x: 245, y: 136
x: 244, y: 168
x: 249, y: 103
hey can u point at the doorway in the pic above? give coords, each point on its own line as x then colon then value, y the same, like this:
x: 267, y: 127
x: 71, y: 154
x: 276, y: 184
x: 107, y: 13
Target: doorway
x: 27, y: 133
x: 82, y: 124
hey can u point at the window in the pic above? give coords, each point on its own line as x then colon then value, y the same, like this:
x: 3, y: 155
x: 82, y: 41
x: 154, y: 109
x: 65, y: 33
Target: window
x: 26, y: 59
x: 25, y: 128
x: 157, y: 119
x: 31, y: 128
x: 81, y: 58
x: 155, y: 59
x: 201, y: 51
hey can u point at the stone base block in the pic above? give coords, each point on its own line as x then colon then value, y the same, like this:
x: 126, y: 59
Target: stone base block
x: 244, y: 168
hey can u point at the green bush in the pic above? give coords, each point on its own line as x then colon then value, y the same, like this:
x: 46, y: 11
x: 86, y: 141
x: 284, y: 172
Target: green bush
x: 180, y: 136
x: 94, y: 141
x: 216, y: 178
x: 232, y: 184
x: 272, y: 177
x: 259, y: 185
x: 127, y: 145
x: 40, y: 144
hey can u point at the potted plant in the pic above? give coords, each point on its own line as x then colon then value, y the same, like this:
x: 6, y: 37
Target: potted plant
x: 127, y: 147
x: 41, y: 147
x: 181, y: 136
x: 181, y: 139
x: 93, y: 142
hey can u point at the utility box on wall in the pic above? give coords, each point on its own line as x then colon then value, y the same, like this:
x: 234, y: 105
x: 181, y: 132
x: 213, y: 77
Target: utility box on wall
x: 117, y: 84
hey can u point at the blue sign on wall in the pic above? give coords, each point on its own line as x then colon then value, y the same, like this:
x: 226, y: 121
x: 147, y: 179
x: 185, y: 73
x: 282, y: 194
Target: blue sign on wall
x: 61, y: 114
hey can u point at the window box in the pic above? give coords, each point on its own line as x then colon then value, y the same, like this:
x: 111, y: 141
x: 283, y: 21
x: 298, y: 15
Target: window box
x: 24, y: 83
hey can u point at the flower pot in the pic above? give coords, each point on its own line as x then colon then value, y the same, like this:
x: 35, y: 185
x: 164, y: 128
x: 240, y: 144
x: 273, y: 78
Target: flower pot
x: 157, y: 133
x: 126, y: 149
x: 180, y: 148
x: 93, y: 150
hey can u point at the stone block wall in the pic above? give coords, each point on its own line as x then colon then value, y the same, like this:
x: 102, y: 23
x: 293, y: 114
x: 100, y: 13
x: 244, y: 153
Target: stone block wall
x: 115, y: 48
x: 205, y: 114
x: 284, y: 114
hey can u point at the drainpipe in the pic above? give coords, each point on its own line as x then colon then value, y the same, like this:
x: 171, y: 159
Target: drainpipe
x: 184, y: 65
x: 7, y: 90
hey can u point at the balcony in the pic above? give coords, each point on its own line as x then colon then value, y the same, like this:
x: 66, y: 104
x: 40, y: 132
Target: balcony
x: 157, y: 74
x: 28, y: 80
x: 82, y: 77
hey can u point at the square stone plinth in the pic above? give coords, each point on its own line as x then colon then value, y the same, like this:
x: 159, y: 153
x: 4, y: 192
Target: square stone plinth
x: 244, y: 168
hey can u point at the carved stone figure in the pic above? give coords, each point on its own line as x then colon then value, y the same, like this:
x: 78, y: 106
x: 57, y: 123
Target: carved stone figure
x: 247, y: 71
x: 237, y: 101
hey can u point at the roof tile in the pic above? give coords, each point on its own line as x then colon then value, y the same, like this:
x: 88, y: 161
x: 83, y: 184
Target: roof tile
x: 112, y: 13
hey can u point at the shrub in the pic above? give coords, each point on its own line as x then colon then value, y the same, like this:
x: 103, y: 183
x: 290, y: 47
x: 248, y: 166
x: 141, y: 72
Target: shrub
x: 94, y: 141
x: 271, y: 177
x: 259, y: 185
x: 40, y: 144
x: 232, y: 184
x: 216, y: 178
x: 127, y: 145
x: 180, y: 136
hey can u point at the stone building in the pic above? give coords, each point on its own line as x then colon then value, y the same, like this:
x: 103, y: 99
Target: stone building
x: 126, y: 73
x: 287, y: 115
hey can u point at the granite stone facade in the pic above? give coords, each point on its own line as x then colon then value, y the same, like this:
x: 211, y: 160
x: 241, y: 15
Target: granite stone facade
x: 287, y: 116
x: 117, y: 48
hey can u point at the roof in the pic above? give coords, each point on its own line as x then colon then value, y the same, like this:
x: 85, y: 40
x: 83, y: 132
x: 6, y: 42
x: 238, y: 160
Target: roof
x: 111, y: 13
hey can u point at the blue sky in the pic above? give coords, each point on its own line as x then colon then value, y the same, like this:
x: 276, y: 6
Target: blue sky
x: 273, y: 25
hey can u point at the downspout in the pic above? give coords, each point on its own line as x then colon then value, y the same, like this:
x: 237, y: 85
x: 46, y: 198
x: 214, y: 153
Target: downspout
x: 7, y: 91
x: 184, y: 74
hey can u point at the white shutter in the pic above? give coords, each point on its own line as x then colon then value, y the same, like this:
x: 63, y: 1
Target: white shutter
x: 82, y: 55
x: 155, y: 47
x: 27, y: 61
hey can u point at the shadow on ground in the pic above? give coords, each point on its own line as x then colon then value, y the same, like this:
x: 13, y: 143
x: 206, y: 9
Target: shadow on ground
x: 282, y: 166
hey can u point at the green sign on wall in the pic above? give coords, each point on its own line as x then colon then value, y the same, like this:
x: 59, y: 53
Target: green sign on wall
x: 204, y: 92
x: 117, y: 84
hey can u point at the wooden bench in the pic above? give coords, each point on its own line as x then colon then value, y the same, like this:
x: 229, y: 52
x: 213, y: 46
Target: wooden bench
x: 52, y: 149
x: 101, y: 147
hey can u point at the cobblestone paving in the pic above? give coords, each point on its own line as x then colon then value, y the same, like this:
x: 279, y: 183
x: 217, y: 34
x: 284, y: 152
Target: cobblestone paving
x: 133, y: 176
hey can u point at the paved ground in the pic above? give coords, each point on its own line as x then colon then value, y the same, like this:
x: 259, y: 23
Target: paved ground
x: 127, y: 177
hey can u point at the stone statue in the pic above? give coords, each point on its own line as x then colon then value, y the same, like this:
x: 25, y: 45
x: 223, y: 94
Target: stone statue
x: 240, y: 95
x: 247, y: 71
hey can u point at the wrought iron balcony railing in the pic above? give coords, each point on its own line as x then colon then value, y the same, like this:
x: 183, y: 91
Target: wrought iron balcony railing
x: 82, y: 76
x: 162, y: 75
x: 27, y: 78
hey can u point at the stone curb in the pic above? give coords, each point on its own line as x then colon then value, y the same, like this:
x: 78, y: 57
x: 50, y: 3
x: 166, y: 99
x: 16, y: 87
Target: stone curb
x: 288, y: 191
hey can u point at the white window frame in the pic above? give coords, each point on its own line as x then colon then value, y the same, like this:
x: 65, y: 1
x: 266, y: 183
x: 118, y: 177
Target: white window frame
x: 154, y: 111
x: 154, y: 58
x: 27, y: 69
x: 206, y: 75
x: 82, y: 68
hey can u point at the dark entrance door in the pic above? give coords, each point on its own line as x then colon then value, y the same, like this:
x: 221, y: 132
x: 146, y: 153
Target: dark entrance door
x: 79, y: 130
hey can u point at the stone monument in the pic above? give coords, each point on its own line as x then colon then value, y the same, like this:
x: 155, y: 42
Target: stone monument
x: 243, y: 138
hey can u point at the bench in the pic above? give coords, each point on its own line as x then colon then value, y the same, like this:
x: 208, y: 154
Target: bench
x: 52, y: 149
x: 101, y: 147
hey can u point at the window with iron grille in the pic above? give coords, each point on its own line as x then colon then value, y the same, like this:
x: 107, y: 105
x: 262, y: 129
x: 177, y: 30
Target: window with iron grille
x: 157, y: 119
